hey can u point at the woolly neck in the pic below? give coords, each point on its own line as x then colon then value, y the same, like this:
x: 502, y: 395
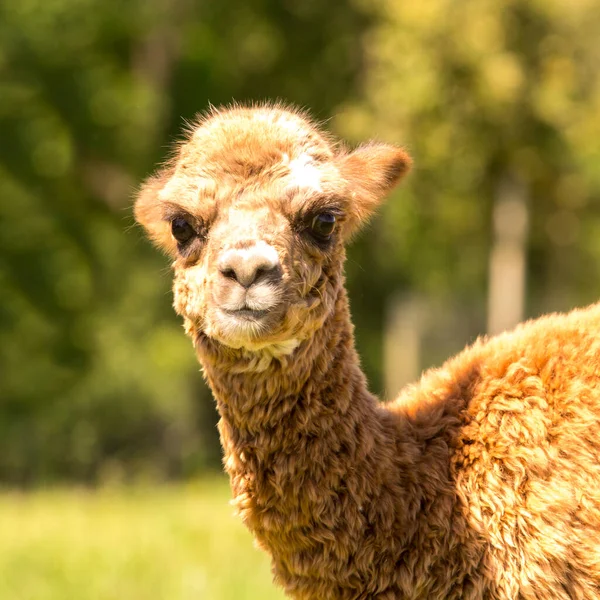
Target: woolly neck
x: 329, y: 481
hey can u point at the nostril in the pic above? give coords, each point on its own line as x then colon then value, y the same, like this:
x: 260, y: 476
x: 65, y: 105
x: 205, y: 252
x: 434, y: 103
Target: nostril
x: 248, y: 275
x: 229, y: 274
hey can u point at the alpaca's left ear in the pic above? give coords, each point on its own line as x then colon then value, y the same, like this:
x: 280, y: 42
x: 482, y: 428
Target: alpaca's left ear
x: 371, y: 172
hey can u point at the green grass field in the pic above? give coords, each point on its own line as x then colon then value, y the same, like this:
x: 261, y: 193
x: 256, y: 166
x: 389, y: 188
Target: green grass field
x: 164, y: 543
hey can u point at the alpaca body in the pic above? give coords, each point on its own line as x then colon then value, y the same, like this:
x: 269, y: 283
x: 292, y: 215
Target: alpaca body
x: 481, y: 481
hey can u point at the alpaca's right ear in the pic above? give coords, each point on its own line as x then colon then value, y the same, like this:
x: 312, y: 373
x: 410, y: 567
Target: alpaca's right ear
x: 148, y: 211
x: 371, y: 172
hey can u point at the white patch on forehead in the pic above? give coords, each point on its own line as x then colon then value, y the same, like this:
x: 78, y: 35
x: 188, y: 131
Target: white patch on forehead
x: 303, y: 172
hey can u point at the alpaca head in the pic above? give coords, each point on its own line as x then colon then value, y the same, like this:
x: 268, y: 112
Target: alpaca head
x: 255, y: 208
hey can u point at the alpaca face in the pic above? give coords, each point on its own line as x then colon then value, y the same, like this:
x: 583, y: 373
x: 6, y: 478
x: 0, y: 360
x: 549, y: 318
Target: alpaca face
x: 263, y: 268
x: 255, y: 210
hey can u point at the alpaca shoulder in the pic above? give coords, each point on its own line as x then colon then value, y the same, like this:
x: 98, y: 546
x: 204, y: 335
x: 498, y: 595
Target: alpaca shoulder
x: 524, y: 454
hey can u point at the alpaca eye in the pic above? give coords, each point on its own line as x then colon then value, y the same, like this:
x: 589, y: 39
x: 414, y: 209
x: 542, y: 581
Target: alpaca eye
x: 182, y: 231
x: 323, y: 225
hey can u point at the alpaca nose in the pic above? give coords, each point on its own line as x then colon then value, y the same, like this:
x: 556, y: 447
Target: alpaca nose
x: 249, y: 265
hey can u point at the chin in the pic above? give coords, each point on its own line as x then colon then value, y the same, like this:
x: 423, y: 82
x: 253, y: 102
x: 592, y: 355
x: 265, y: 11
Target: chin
x: 248, y: 329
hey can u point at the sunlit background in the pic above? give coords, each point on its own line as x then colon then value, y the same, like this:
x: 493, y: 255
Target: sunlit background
x: 109, y: 457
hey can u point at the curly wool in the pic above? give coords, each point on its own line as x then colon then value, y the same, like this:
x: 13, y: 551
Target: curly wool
x: 481, y: 481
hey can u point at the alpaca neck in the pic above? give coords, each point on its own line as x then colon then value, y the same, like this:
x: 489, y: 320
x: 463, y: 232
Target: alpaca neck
x: 313, y: 458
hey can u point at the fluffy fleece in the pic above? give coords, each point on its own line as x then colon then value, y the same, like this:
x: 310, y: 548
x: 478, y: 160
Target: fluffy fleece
x: 480, y: 481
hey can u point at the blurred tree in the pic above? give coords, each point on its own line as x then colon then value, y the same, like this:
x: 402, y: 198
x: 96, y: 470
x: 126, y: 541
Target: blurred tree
x: 481, y: 92
x: 96, y: 378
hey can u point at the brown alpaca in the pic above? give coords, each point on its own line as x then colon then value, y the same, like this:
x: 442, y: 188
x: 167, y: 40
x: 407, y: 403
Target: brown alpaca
x: 481, y: 481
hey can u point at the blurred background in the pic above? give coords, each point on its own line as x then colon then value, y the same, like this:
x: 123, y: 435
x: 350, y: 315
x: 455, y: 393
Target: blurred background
x: 109, y: 457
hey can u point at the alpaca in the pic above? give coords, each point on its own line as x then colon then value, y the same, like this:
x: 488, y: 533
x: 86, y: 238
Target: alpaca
x: 482, y: 480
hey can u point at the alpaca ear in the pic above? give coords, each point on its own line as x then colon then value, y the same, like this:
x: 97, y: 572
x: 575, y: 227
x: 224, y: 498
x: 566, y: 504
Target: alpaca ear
x: 371, y: 171
x: 148, y: 211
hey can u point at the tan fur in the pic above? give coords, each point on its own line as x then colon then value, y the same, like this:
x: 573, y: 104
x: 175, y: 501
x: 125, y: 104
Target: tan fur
x: 481, y: 481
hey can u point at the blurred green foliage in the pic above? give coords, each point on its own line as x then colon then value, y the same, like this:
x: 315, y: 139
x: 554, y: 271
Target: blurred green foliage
x: 481, y: 92
x: 97, y: 379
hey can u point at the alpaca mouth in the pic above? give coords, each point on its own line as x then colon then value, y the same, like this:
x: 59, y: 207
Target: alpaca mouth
x: 247, y: 314
x: 244, y: 325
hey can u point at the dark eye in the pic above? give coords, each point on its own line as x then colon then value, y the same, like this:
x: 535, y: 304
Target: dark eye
x: 322, y: 225
x: 182, y: 231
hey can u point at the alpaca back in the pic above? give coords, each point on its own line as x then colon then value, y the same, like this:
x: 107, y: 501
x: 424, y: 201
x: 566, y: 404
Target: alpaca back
x: 525, y: 460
